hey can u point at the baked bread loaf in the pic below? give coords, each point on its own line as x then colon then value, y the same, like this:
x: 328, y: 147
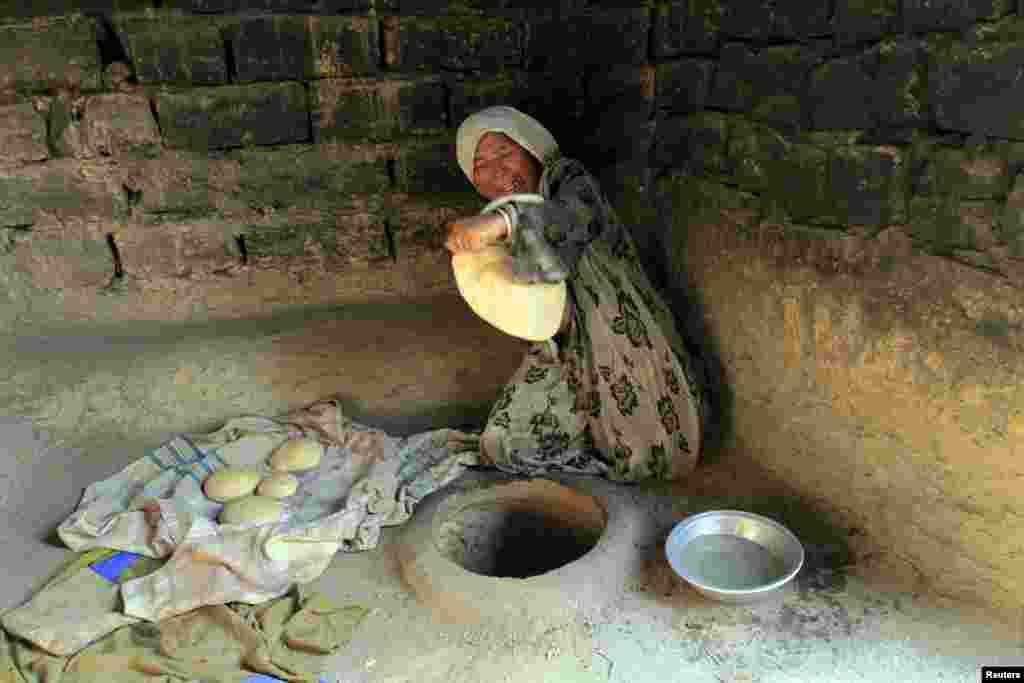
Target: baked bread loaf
x: 231, y: 483
x: 252, y: 510
x: 279, y: 485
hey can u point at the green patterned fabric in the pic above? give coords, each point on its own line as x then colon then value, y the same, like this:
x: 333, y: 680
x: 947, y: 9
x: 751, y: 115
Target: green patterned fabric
x: 616, y: 395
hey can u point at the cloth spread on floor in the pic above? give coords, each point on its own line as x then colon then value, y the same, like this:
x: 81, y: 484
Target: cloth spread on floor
x: 155, y: 508
x: 288, y: 639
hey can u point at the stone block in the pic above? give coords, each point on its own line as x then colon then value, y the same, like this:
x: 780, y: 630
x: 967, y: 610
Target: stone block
x: 618, y: 126
x: 295, y: 47
x: 935, y: 225
x: 899, y: 97
x: 616, y: 36
x: 19, y: 11
x: 22, y: 135
x: 743, y: 76
x: 234, y: 115
x: 688, y: 27
x: 326, y: 175
x: 417, y: 226
x: 840, y: 94
x: 53, y: 54
x: 775, y: 20
x: 695, y: 143
x: 175, y: 49
x: 62, y: 190
x: 922, y: 16
x: 755, y: 153
x: 556, y: 99
x: 193, y: 250
x: 345, y: 109
x: 1010, y: 228
x: 65, y: 135
x: 72, y: 253
x: 973, y: 88
x: 430, y: 167
x: 683, y: 86
x: 178, y: 185
x: 121, y: 125
x: 355, y: 236
x: 860, y: 21
x: 453, y: 42
x: 863, y: 185
x: 204, y: 6
x: 963, y: 173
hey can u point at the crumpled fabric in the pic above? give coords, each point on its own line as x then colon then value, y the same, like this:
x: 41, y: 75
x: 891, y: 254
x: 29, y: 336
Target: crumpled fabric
x: 155, y: 508
x: 288, y: 639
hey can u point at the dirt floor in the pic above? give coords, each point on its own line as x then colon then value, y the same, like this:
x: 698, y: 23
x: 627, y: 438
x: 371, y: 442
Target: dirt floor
x: 867, y: 622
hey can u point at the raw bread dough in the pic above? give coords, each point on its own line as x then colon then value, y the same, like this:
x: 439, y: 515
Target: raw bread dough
x: 251, y: 509
x: 297, y: 454
x: 231, y: 483
x: 279, y: 485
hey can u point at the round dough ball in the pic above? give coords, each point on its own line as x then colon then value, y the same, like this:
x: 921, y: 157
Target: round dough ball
x: 296, y: 455
x: 230, y: 483
x: 252, y: 510
x: 280, y: 485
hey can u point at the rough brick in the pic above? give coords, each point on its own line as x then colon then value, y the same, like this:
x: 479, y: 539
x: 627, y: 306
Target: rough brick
x: 120, y: 124
x: 556, y: 99
x: 616, y: 36
x: 374, y: 110
x: 63, y: 189
x: 969, y: 176
x: 695, y: 143
x: 17, y: 11
x: 1010, y: 227
x: 334, y: 237
x: 56, y: 54
x: 230, y: 116
x: 179, y: 185
x: 936, y: 224
x: 417, y: 226
x: 920, y: 16
x: 899, y: 97
x: 755, y: 153
x: 69, y: 254
x: 452, y: 42
x: 326, y: 175
x: 840, y: 95
x: 974, y: 88
x: 689, y: 27
x: 193, y: 250
x: 743, y: 76
x: 174, y: 49
x: 429, y: 167
x: 863, y: 185
x: 858, y: 21
x: 683, y: 86
x: 770, y: 20
x: 295, y: 47
x: 22, y: 135
x: 204, y: 6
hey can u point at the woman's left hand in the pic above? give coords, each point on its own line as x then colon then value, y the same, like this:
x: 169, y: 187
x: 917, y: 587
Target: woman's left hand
x: 475, y: 233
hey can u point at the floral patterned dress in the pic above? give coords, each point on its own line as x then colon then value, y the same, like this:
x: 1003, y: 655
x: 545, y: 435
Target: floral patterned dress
x: 616, y: 395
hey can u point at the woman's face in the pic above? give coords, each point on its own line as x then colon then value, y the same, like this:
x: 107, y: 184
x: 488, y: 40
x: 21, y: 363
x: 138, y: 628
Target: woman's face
x: 502, y: 167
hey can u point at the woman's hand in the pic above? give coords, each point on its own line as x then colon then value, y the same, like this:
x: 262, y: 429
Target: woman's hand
x: 475, y: 233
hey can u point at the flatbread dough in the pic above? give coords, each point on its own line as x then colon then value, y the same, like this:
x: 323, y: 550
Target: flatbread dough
x: 231, y: 483
x: 279, y: 485
x: 296, y: 455
x: 252, y: 510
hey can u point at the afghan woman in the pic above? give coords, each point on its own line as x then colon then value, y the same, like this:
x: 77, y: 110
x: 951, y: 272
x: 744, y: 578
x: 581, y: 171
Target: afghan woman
x: 614, y: 392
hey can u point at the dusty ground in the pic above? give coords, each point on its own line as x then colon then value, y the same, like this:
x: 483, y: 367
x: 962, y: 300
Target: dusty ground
x: 861, y: 623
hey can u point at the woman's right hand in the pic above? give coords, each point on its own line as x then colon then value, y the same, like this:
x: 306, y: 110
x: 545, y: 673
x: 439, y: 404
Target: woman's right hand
x: 475, y: 233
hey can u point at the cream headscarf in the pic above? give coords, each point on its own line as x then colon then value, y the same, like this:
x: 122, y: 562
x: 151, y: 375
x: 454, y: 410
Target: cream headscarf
x: 525, y: 130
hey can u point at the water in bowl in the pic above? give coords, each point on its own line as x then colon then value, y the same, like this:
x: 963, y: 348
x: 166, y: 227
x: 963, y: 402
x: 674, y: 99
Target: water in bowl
x: 730, y: 562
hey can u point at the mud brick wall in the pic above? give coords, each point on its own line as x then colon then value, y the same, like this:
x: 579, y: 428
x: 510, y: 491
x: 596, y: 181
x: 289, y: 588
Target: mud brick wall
x: 203, y: 160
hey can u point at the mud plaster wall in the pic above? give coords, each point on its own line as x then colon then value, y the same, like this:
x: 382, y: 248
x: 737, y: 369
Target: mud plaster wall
x: 842, y: 192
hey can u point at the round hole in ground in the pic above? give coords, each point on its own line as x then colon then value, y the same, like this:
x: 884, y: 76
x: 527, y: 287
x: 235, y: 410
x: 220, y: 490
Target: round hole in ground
x: 522, y: 530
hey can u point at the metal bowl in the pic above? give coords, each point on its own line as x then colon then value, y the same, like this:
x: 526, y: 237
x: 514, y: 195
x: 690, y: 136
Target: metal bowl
x: 733, y: 556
